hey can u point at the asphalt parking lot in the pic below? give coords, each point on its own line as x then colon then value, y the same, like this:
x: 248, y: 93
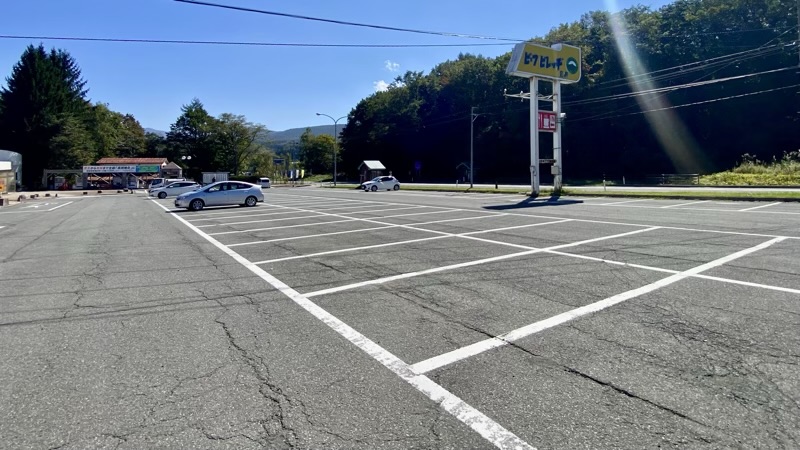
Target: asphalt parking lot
x: 563, y: 330
x: 573, y: 323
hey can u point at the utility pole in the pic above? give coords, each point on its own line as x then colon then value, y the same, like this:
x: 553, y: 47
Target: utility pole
x: 534, y: 119
x: 472, y: 118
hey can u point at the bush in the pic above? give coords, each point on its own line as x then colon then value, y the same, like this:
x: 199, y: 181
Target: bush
x: 751, y: 171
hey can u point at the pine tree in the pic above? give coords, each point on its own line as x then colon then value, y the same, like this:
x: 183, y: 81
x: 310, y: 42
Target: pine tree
x: 45, y: 91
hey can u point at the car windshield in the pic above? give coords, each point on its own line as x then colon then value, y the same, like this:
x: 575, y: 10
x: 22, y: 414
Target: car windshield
x: 377, y: 179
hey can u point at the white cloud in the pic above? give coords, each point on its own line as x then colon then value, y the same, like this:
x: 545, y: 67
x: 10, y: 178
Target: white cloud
x: 380, y: 86
x: 392, y: 66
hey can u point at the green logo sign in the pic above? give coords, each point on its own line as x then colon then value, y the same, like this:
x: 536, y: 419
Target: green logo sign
x: 148, y: 168
x: 572, y: 65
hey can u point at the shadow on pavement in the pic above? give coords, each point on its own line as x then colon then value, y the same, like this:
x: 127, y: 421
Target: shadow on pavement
x: 534, y: 202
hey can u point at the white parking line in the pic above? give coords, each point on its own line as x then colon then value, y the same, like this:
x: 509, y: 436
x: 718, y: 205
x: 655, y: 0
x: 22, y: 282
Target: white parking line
x: 506, y: 338
x: 318, y: 214
x: 619, y: 203
x: 490, y: 430
x: 278, y: 213
x: 466, y: 264
x: 759, y: 207
x: 666, y: 227
x: 684, y: 204
x: 284, y: 226
x: 228, y: 210
x: 259, y: 221
x: 59, y: 206
x: 360, y: 230
x: 347, y: 219
x: 659, y: 269
x: 441, y: 235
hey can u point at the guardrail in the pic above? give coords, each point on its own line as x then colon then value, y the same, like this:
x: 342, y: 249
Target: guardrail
x: 662, y: 179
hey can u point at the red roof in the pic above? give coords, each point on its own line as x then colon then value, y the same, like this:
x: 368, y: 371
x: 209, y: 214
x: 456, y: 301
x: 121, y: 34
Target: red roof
x: 158, y: 161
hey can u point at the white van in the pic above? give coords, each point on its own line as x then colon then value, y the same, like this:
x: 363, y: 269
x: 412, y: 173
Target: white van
x: 264, y: 182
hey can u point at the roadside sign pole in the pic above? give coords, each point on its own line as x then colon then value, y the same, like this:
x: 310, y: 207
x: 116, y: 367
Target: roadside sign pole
x: 534, y: 136
x: 558, y: 167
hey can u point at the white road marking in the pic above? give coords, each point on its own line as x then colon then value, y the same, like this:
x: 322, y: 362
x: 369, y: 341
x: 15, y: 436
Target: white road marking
x: 466, y: 264
x: 684, y: 204
x: 2, y: 226
x: 317, y: 214
x: 409, y: 227
x: 761, y: 206
x: 514, y: 335
x: 359, y: 230
x: 229, y: 210
x: 490, y: 430
x: 442, y: 235
x: 348, y: 219
x: 59, y: 206
x: 278, y: 213
x: 260, y: 221
x: 666, y: 227
x: 280, y: 227
x: 659, y: 269
x: 275, y: 213
x: 620, y: 203
x: 350, y: 249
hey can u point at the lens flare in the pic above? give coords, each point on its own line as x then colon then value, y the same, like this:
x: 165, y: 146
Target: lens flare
x: 674, y: 137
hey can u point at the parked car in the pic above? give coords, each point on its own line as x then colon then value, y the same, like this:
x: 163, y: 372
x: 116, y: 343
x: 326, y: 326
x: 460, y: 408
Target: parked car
x: 173, y: 189
x: 264, y: 182
x: 389, y: 183
x: 221, y: 193
x: 161, y: 182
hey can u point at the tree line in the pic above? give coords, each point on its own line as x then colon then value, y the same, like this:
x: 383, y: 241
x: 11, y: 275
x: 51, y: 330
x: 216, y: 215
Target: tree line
x: 46, y: 116
x: 420, y: 126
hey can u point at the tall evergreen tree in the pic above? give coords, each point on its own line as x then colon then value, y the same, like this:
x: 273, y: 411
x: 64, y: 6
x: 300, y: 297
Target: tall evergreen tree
x: 44, y: 92
x: 190, y: 137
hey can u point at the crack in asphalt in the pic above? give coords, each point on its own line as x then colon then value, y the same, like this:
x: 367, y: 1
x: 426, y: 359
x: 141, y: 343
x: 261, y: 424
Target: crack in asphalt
x: 269, y: 391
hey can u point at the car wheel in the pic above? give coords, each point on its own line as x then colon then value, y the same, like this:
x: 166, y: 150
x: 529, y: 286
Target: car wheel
x: 162, y: 195
x: 396, y: 187
x: 250, y: 201
x: 374, y: 188
x: 196, y: 205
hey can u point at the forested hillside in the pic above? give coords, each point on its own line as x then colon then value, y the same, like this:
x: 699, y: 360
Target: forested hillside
x: 722, y: 80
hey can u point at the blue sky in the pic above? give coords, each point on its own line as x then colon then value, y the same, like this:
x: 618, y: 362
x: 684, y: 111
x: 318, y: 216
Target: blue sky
x: 277, y: 86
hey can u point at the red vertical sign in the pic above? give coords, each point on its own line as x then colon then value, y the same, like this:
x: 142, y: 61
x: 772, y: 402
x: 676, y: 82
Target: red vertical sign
x: 547, y: 121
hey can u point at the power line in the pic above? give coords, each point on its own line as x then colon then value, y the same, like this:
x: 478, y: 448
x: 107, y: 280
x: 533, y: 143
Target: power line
x: 353, y: 24
x: 762, y: 47
x: 259, y: 44
x: 674, y: 88
x: 691, y: 104
x: 712, y: 33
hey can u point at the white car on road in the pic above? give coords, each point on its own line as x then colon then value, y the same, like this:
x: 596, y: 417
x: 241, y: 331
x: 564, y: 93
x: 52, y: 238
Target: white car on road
x: 221, y: 193
x: 383, y: 183
x: 173, y: 189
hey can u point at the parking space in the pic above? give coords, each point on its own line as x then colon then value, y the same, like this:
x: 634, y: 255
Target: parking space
x: 557, y: 329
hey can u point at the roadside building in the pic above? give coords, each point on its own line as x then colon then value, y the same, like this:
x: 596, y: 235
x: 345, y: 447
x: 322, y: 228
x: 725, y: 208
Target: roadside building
x: 370, y: 169
x: 10, y: 171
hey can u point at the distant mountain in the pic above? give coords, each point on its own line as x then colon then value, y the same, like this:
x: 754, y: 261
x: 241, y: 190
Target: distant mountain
x: 294, y: 134
x: 280, y: 141
x: 154, y: 131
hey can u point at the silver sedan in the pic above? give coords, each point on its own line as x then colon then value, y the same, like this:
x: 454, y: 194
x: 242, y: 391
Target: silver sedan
x: 221, y: 193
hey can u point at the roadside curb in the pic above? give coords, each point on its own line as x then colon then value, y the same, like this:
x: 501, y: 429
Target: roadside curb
x: 576, y: 192
x: 688, y: 196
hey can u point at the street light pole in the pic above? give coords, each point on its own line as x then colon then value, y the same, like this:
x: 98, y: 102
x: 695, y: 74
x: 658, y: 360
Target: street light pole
x: 473, y: 116
x: 335, y: 142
